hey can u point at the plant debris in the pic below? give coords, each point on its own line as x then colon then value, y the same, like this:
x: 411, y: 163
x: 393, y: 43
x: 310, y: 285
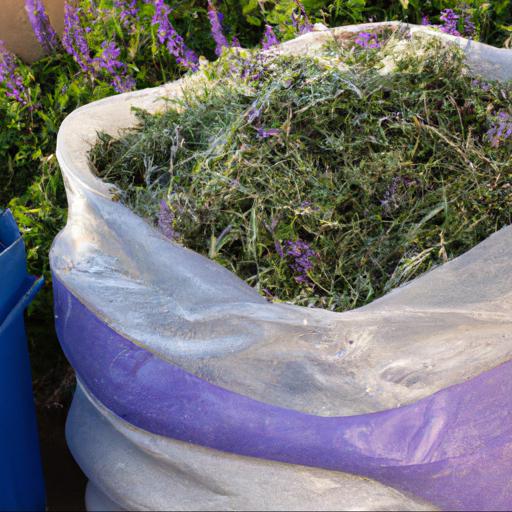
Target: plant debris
x: 324, y: 181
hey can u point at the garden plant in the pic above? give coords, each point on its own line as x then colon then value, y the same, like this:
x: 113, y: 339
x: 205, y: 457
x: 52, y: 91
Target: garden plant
x: 422, y: 203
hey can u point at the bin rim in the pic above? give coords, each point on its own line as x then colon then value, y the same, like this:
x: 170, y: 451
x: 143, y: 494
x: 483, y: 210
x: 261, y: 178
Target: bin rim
x: 28, y: 296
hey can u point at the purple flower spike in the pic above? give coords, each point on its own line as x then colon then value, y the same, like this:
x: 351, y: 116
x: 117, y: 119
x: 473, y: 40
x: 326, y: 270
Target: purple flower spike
x: 450, y: 22
x: 269, y: 38
x: 106, y: 63
x: 300, y: 20
x: 367, y: 40
x: 166, y: 34
x: 109, y: 62
x: 264, y: 133
x: 128, y: 11
x: 425, y: 21
x: 109, y: 59
x: 41, y: 25
x: 217, y: 31
x: 74, y: 38
x: 469, y: 28
x: 10, y: 76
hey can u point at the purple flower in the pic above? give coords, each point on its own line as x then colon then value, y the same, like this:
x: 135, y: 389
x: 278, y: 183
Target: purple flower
x: 166, y: 221
x: 269, y: 38
x: 41, y: 25
x: 300, y: 20
x: 279, y: 248
x: 484, y: 86
x: 109, y: 57
x: 501, y: 130
x: 450, y: 22
x: 217, y: 30
x: 10, y: 76
x: 468, y: 26
x: 300, y: 254
x: 425, y: 21
x: 367, y: 40
x: 166, y: 34
x: 128, y: 11
x: 109, y: 62
x: 74, y: 39
x: 264, y: 133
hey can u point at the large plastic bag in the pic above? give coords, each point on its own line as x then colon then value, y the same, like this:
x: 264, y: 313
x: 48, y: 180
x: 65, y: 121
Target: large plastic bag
x: 195, y: 392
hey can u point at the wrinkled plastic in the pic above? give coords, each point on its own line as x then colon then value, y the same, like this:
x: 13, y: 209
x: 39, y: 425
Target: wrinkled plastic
x: 411, y: 392
x: 21, y: 476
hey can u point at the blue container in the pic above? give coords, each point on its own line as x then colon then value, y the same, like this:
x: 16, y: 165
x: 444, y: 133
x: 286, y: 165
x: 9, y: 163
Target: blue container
x: 21, y: 474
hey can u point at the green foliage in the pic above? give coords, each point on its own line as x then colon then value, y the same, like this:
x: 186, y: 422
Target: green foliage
x: 41, y: 213
x: 383, y: 172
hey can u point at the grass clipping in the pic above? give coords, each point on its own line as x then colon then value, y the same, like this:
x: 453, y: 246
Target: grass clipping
x: 324, y: 181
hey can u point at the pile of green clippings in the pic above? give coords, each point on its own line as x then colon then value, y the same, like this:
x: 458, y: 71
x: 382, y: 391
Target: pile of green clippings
x: 325, y: 181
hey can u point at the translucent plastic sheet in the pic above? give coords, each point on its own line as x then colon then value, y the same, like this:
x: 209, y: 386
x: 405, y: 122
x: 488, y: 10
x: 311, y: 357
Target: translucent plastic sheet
x: 410, y: 391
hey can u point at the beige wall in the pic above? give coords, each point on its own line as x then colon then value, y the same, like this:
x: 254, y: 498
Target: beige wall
x: 16, y: 31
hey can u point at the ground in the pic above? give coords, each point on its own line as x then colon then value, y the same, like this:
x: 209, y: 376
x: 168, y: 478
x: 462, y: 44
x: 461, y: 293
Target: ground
x: 65, y: 482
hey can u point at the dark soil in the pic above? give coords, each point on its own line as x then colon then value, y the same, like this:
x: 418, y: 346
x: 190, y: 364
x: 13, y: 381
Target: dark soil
x: 65, y: 482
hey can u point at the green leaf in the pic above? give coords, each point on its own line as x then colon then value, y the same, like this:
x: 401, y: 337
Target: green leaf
x: 253, y: 20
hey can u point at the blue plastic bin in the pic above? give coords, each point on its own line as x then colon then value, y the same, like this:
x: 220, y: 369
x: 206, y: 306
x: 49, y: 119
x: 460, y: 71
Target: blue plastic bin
x: 21, y: 474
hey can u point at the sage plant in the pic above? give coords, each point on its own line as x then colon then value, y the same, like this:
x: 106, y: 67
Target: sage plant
x: 167, y: 35
x: 41, y: 25
x: 269, y: 38
x: 300, y: 19
x: 109, y: 62
x: 10, y: 76
x: 219, y: 37
x: 106, y: 63
x: 74, y: 38
x: 128, y: 11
